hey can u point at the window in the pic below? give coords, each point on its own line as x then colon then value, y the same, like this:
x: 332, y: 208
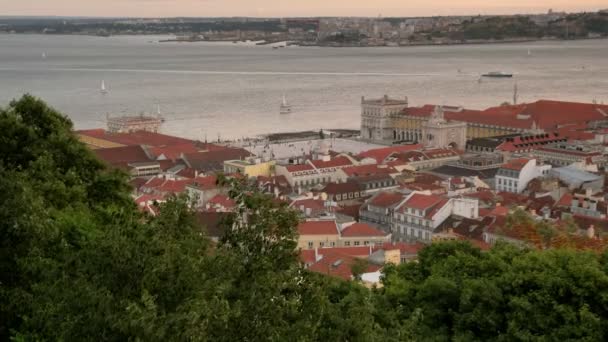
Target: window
x: 347, y: 243
x: 365, y: 243
x: 310, y: 244
x: 357, y: 243
x: 321, y: 244
x: 333, y: 244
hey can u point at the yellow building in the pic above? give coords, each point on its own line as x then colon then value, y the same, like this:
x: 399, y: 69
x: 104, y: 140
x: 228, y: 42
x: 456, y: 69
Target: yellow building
x: 252, y: 167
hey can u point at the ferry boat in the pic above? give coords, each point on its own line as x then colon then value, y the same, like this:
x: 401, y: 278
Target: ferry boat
x: 285, y: 106
x: 498, y: 74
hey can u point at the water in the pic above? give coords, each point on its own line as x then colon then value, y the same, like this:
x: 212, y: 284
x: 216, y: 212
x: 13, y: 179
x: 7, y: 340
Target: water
x: 235, y: 90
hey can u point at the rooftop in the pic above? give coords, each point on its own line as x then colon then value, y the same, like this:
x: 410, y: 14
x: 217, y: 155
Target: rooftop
x: 318, y: 228
x: 362, y: 230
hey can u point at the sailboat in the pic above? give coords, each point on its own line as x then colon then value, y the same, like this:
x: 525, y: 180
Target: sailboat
x: 104, y: 90
x: 44, y: 55
x: 529, y: 52
x: 159, y: 114
x: 285, y: 106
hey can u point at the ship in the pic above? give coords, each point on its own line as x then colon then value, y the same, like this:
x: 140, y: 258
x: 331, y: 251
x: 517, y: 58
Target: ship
x: 285, y: 106
x: 498, y: 74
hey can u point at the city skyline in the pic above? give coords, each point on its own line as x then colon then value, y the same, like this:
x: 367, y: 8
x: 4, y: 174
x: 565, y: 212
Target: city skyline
x: 276, y: 8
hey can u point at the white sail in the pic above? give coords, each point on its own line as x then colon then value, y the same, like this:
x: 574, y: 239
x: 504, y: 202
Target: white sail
x: 103, y: 87
x: 529, y: 52
x: 43, y: 55
x: 285, y: 106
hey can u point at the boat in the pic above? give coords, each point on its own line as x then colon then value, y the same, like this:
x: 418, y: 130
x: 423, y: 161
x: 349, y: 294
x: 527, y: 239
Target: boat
x: 158, y: 113
x: 43, y: 55
x: 498, y: 74
x: 529, y: 52
x: 285, y: 106
x: 104, y: 90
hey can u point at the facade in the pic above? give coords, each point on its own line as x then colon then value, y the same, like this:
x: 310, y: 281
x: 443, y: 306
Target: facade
x: 251, y: 167
x: 314, y: 172
x: 377, y: 118
x: 542, y: 116
x: 344, y: 192
x: 437, y: 132
x: 420, y: 214
x: 515, y: 175
x: 378, y: 210
x: 565, y: 154
x: 329, y: 234
x: 129, y: 124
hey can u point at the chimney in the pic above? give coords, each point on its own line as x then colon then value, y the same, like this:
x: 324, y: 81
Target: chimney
x: 370, y: 249
x: 591, y: 232
x: 195, y: 173
x: 317, y: 256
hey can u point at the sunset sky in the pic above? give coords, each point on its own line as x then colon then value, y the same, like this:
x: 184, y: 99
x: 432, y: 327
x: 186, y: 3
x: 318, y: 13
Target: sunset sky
x: 272, y: 8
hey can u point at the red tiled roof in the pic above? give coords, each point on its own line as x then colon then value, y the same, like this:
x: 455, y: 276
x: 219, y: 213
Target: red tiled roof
x: 299, y: 167
x: 214, y: 160
x: 122, y: 155
x: 421, y: 202
x: 516, y: 164
x: 144, y: 199
x: 387, y: 199
x: 307, y: 256
x: 223, y: 201
x: 362, y: 229
x: 335, y: 162
x: 338, y: 265
x: 173, y: 152
x: 380, y: 154
x: 565, y: 201
x: 136, y: 138
x: 309, y: 203
x: 342, y: 188
x: 367, y: 170
x: 545, y: 114
x: 318, y: 228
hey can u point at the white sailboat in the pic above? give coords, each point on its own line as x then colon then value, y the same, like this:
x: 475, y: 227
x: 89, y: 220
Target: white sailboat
x: 104, y: 90
x: 285, y: 106
x: 158, y: 113
x: 529, y: 52
x: 44, y: 55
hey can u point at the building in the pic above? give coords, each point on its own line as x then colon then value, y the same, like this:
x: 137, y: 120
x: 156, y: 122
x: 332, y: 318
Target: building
x: 424, y: 159
x: 250, y: 167
x: 313, y: 172
x: 513, y: 143
x: 416, y: 218
x: 129, y: 124
x: 437, y: 132
x: 349, y: 191
x: 377, y: 118
x: 564, y: 154
x: 381, y: 123
x: 378, y: 210
x: 515, y: 175
x: 578, y: 179
x: 328, y: 233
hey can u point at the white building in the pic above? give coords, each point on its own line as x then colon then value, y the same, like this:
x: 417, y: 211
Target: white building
x: 416, y: 218
x: 515, y: 175
x: 314, y: 172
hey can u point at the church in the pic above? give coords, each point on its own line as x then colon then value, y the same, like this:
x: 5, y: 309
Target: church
x: 382, y: 121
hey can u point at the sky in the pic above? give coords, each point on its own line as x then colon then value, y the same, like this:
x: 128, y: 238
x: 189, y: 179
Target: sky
x: 280, y: 8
